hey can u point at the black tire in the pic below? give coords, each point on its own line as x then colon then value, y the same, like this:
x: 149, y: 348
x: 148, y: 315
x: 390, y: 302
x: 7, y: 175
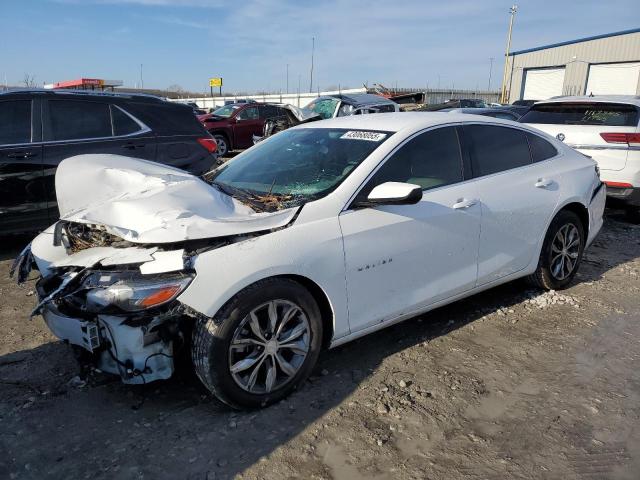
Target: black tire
x: 223, y: 144
x: 545, y: 277
x: 633, y: 214
x: 212, y: 339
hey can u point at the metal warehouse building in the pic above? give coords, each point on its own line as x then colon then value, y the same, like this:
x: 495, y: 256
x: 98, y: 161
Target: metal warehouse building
x: 602, y: 65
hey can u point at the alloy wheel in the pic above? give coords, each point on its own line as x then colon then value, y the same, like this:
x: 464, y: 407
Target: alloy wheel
x: 222, y: 148
x: 565, y: 250
x: 269, y: 347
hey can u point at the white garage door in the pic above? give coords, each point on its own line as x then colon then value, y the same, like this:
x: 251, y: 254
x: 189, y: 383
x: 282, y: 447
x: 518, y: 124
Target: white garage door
x: 613, y: 79
x: 543, y: 83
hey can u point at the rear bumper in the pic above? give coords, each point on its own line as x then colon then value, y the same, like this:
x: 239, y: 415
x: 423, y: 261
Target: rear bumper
x: 624, y: 196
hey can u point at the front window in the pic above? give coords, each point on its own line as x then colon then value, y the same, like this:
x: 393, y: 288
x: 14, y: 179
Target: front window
x: 296, y: 166
x: 325, y: 107
x: 226, y: 111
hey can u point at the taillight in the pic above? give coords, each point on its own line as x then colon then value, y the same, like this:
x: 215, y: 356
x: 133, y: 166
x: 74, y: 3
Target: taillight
x: 618, y: 184
x: 209, y: 144
x: 619, y: 137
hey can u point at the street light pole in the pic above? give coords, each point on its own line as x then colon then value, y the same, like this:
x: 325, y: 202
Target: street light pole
x: 313, y: 46
x: 287, y: 78
x: 512, y: 12
x: 141, y: 82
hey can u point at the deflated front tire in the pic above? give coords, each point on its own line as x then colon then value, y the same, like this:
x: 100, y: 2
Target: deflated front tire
x: 261, y: 345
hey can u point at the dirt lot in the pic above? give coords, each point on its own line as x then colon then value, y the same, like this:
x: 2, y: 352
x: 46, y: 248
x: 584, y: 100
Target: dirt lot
x: 511, y: 383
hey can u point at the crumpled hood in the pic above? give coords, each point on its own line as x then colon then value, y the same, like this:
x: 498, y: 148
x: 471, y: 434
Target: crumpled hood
x: 145, y: 202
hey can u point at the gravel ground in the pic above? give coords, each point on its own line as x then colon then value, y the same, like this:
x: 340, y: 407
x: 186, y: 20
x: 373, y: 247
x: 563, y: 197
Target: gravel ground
x: 511, y: 383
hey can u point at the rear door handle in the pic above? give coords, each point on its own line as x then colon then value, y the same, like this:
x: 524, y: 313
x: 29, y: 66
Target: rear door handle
x: 131, y: 146
x: 21, y: 154
x: 464, y: 203
x: 543, y: 183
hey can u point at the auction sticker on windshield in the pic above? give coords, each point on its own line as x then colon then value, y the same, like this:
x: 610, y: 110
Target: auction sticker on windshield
x: 361, y: 135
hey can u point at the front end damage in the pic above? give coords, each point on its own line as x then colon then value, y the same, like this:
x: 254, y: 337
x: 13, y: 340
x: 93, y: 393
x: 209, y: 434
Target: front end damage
x: 113, y: 268
x: 129, y: 322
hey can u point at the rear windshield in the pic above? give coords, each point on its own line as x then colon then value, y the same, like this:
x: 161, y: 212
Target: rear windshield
x: 608, y: 114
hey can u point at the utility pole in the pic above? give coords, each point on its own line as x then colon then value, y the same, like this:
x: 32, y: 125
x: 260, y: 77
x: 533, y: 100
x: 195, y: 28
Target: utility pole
x: 287, y: 78
x: 490, y: 72
x: 313, y: 46
x: 512, y: 12
x: 141, y: 81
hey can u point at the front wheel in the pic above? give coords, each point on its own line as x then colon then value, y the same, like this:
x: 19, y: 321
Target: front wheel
x: 561, y: 252
x: 261, y: 345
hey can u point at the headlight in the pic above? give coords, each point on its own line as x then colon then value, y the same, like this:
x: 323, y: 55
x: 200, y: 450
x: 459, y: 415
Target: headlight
x: 132, y: 294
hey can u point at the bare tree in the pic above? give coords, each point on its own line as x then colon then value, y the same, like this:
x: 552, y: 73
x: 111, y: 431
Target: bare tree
x: 175, y: 88
x: 29, y: 80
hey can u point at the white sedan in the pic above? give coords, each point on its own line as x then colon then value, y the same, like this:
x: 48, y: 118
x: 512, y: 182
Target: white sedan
x: 316, y: 236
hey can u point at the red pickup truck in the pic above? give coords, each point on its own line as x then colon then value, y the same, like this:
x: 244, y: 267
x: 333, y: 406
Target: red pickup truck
x: 234, y: 125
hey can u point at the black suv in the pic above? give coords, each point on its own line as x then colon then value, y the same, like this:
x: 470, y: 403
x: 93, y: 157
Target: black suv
x: 40, y: 128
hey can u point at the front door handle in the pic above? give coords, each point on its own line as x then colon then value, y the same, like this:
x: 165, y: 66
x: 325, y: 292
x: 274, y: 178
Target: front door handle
x: 464, y: 203
x: 21, y: 154
x: 543, y: 183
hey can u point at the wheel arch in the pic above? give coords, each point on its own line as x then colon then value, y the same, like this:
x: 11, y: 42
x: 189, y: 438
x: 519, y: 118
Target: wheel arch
x: 320, y: 296
x: 581, y: 211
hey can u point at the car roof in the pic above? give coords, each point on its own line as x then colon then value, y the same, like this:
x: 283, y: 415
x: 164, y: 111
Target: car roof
x: 357, y: 99
x: 84, y: 93
x: 627, y: 99
x: 401, y: 121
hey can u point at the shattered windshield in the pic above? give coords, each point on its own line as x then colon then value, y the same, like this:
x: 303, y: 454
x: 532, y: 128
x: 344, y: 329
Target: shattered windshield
x: 226, y: 111
x: 325, y: 107
x: 296, y: 166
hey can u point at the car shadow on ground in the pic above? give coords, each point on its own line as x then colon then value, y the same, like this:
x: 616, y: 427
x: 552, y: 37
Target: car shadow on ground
x: 64, y: 428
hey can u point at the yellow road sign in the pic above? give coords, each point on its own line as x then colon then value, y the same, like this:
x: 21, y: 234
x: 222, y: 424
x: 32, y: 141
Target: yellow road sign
x: 215, y: 82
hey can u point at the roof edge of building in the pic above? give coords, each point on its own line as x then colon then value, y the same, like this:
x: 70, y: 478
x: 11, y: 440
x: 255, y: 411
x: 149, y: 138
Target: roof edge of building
x: 578, y: 40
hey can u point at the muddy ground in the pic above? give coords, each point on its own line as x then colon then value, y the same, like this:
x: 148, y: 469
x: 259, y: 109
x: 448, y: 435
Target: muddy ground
x: 511, y: 383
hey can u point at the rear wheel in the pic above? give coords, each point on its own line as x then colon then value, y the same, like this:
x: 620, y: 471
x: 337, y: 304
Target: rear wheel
x: 223, y: 145
x: 261, y: 345
x: 561, y: 252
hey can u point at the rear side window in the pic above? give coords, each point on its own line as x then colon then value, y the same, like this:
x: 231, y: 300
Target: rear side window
x: 432, y: 159
x: 15, y: 122
x: 607, y: 114
x: 495, y: 149
x: 250, y: 113
x: 540, y: 148
x: 269, y: 111
x: 166, y: 118
x: 123, y: 124
x: 74, y: 120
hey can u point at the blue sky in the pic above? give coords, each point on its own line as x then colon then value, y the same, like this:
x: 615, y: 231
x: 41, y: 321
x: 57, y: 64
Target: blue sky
x: 250, y: 42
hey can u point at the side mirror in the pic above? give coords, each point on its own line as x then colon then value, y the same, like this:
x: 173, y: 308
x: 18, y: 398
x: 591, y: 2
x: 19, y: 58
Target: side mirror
x: 393, y: 193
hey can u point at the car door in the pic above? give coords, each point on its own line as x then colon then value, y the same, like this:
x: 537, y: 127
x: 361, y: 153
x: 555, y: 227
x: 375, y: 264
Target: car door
x: 401, y: 258
x: 517, y: 197
x: 22, y: 198
x: 76, y: 127
x: 248, y: 123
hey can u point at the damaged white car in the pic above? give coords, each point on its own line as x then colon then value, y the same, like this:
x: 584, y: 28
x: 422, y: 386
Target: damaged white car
x: 318, y: 235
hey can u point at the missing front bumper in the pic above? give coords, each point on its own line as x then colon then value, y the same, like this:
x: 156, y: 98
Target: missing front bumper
x: 134, y: 353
